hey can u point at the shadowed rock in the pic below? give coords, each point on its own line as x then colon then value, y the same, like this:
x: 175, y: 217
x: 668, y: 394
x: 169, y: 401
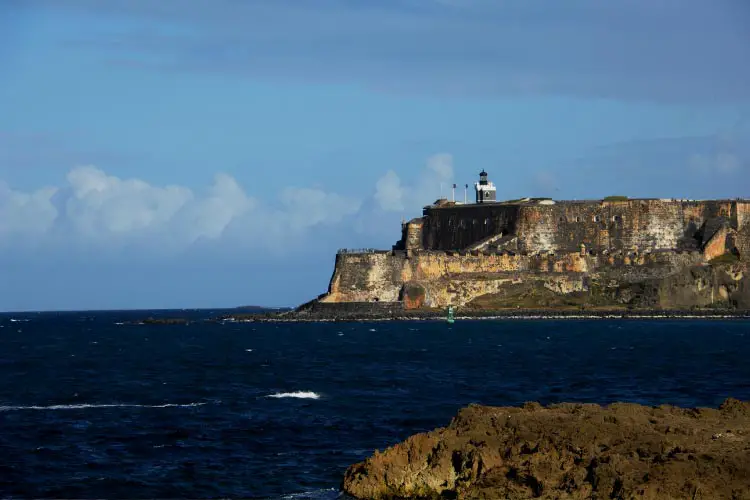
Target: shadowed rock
x: 568, y: 451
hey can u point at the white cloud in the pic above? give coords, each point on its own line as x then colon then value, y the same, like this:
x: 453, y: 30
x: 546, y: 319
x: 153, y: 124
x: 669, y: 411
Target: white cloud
x: 97, y: 211
x: 388, y: 192
x: 436, y: 177
x: 307, y: 207
x: 100, y: 204
x: 441, y: 166
x: 94, y: 208
x: 27, y: 214
x: 208, y: 217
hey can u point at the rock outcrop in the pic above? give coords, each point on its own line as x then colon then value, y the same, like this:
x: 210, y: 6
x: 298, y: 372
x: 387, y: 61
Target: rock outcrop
x: 568, y: 451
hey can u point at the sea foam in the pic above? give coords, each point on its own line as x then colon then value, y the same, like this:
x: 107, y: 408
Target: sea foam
x: 86, y: 406
x: 296, y: 394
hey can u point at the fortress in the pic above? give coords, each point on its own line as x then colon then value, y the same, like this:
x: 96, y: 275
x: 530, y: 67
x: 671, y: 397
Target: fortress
x: 540, y: 253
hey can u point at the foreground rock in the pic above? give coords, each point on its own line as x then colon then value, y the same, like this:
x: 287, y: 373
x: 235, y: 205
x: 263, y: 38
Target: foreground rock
x: 568, y: 451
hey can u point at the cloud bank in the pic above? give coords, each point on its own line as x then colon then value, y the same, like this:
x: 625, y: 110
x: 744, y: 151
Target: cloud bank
x: 657, y: 50
x: 96, y: 210
x: 436, y: 178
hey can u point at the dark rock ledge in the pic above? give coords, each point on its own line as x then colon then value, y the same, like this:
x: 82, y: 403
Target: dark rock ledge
x: 349, y: 314
x: 568, y: 451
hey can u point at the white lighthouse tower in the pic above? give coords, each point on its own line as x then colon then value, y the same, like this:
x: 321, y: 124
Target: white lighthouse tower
x: 485, y: 189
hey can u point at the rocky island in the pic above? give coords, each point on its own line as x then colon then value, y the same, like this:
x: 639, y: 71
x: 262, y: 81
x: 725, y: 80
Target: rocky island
x: 612, y: 255
x: 568, y: 451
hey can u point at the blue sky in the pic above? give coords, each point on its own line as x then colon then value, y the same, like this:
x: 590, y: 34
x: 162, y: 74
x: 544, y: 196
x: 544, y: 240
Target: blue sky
x: 202, y: 153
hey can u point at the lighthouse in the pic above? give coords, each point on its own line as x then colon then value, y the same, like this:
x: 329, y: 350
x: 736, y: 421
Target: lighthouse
x: 485, y: 189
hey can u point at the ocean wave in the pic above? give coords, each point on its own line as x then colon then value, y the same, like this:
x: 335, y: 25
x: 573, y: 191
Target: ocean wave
x: 296, y: 394
x: 86, y: 406
x: 330, y: 493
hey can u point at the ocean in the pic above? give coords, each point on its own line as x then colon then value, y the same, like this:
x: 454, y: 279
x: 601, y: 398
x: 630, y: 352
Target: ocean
x: 94, y: 407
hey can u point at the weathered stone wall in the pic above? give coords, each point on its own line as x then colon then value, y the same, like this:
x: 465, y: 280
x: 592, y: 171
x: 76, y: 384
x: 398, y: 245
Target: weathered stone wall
x: 411, y: 235
x: 642, y: 225
x: 414, y: 234
x: 366, y: 277
x: 742, y: 238
x: 458, y: 226
x: 630, y: 225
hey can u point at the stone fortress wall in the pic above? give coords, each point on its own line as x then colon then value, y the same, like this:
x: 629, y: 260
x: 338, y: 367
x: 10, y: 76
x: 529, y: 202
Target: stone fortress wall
x: 456, y: 253
x: 636, y: 225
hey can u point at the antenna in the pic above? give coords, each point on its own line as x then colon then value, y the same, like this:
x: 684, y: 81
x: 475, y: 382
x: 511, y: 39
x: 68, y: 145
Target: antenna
x: 453, y: 194
x: 466, y: 187
x: 441, y: 190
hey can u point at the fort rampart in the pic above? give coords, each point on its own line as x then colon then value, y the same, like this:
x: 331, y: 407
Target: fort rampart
x: 548, y: 226
x: 456, y: 254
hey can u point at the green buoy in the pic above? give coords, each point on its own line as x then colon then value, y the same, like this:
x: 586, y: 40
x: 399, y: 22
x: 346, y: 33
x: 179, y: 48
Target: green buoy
x: 449, y: 318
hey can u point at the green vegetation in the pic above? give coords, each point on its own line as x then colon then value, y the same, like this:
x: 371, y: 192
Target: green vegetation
x: 726, y: 258
x: 616, y: 198
x: 537, y: 296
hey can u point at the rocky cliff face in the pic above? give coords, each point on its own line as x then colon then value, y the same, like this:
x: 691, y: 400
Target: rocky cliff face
x: 568, y: 451
x: 667, y: 280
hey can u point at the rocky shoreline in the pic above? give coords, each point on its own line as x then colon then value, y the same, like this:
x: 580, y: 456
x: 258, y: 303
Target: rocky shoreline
x: 568, y: 451
x: 425, y: 315
x: 352, y: 314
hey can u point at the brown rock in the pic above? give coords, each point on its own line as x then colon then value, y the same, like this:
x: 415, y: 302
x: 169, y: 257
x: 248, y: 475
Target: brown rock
x: 568, y: 451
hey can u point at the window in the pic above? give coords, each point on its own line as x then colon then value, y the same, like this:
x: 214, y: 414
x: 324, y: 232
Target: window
x: 616, y: 218
x: 578, y: 219
x: 562, y: 219
x: 486, y: 221
x: 597, y: 218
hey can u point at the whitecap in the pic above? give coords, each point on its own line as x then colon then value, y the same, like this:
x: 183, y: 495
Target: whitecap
x: 248, y: 350
x: 296, y: 394
x: 331, y: 493
x: 86, y: 406
x: 373, y: 330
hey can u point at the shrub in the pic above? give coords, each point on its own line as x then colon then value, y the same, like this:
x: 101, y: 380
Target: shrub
x: 726, y: 258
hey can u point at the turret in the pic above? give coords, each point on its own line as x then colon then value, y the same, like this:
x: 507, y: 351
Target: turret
x: 485, y: 189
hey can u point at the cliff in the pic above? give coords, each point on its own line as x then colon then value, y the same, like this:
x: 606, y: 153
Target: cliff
x: 568, y: 451
x: 624, y: 254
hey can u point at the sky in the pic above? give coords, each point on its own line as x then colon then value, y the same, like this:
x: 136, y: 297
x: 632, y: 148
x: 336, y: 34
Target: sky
x: 217, y: 153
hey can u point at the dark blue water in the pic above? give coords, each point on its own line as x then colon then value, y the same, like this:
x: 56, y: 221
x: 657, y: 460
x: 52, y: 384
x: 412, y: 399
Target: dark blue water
x: 90, y: 408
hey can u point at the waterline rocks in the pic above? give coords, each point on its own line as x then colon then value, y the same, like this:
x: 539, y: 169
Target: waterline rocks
x: 568, y: 451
